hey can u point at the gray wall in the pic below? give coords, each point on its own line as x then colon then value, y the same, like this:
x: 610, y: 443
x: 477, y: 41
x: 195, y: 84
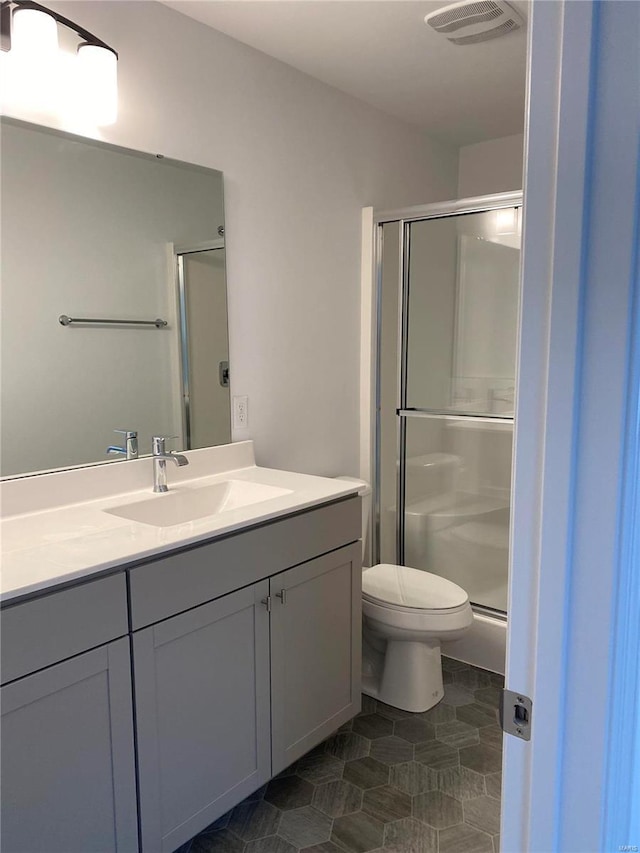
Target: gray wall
x: 493, y: 166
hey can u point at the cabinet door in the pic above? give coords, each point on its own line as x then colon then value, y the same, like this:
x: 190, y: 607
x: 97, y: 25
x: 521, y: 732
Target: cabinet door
x: 202, y: 701
x: 315, y: 651
x: 68, y: 767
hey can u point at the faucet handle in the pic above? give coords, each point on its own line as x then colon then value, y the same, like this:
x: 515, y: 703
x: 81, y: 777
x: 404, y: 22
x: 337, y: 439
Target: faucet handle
x: 130, y: 449
x: 157, y: 443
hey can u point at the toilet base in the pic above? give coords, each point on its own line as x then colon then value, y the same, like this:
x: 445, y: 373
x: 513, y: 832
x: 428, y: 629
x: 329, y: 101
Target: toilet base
x: 410, y: 677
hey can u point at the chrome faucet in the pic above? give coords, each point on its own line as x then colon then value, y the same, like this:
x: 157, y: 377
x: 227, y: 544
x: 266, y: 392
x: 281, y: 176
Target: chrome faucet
x: 160, y: 456
x: 130, y: 446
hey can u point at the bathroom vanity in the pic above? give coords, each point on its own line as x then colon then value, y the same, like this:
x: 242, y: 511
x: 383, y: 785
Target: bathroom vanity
x: 143, y: 696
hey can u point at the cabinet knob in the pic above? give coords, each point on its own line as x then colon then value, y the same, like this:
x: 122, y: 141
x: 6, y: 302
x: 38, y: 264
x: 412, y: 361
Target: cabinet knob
x: 282, y: 595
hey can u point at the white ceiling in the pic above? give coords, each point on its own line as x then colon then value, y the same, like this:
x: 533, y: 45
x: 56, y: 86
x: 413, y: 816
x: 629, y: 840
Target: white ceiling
x: 382, y: 52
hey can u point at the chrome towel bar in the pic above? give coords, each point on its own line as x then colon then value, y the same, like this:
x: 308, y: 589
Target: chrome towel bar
x: 64, y: 320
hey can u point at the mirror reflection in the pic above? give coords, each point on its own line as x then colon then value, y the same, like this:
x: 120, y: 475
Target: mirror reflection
x: 129, y: 247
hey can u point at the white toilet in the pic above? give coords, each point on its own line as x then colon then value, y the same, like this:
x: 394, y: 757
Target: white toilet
x: 407, y: 613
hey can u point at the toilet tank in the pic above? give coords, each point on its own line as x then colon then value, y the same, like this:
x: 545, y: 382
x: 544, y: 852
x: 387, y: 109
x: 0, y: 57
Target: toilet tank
x: 364, y: 491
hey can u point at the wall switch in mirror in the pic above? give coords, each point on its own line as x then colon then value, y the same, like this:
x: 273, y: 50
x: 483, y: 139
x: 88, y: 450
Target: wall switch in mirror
x: 240, y: 412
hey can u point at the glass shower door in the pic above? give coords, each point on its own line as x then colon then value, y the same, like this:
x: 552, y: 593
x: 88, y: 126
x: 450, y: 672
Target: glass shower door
x: 457, y: 381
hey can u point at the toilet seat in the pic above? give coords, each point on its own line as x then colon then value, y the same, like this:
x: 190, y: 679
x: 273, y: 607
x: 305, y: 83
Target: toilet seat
x: 408, y: 590
x: 417, y: 611
x: 437, y: 623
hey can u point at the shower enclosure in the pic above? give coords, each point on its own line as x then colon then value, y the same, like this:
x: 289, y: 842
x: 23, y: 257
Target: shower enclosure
x: 448, y: 293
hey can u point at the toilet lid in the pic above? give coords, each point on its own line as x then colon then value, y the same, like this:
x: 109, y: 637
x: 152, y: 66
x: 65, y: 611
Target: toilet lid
x: 402, y: 586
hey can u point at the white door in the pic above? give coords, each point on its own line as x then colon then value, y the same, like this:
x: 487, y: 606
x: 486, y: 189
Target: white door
x: 574, y: 600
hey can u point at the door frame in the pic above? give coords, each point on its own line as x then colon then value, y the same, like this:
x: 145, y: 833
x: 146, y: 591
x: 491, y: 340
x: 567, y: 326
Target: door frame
x: 575, y: 440
x: 576, y: 506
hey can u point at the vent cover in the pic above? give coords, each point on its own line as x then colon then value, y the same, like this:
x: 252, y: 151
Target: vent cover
x: 473, y: 21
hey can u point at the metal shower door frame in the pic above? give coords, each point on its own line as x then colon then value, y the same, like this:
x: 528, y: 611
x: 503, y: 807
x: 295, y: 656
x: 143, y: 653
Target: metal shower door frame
x: 404, y: 217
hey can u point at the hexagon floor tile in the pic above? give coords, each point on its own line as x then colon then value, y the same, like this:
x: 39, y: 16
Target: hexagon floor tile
x: 337, y: 798
x: 372, y: 726
x: 391, y: 782
x: 366, y: 773
x: 387, y: 804
x: 289, y: 792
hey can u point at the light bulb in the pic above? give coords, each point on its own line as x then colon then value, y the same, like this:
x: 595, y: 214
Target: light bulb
x: 97, y: 71
x: 507, y: 221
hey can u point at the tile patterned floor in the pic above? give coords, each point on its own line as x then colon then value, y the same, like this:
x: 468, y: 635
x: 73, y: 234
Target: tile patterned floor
x: 386, y: 781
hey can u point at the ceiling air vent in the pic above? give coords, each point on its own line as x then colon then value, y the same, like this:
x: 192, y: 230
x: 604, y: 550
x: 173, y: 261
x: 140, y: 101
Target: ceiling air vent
x: 473, y: 21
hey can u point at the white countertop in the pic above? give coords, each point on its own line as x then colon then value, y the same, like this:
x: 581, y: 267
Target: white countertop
x: 55, y: 529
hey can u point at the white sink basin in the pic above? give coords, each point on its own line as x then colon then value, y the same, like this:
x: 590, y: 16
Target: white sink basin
x: 179, y: 506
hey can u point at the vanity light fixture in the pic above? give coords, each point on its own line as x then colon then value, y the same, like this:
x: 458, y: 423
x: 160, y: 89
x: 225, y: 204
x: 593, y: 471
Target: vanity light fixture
x: 51, y: 80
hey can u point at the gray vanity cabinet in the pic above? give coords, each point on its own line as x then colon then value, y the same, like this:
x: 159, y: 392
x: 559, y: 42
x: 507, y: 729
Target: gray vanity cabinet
x: 234, y: 657
x: 315, y: 652
x: 232, y: 691
x: 68, y: 773
x: 203, y: 716
x: 67, y: 761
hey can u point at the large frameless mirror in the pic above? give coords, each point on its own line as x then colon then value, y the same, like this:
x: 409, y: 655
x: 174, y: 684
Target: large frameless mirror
x: 114, y: 306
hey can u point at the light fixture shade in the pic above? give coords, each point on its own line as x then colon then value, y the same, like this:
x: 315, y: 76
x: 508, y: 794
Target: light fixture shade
x: 98, y: 71
x: 33, y: 70
x: 34, y: 35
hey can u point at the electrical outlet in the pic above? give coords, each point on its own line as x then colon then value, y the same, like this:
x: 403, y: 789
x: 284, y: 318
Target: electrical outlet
x: 240, y: 412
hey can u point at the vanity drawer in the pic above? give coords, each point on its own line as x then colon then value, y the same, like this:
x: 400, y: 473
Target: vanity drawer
x: 47, y: 630
x: 171, y: 585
